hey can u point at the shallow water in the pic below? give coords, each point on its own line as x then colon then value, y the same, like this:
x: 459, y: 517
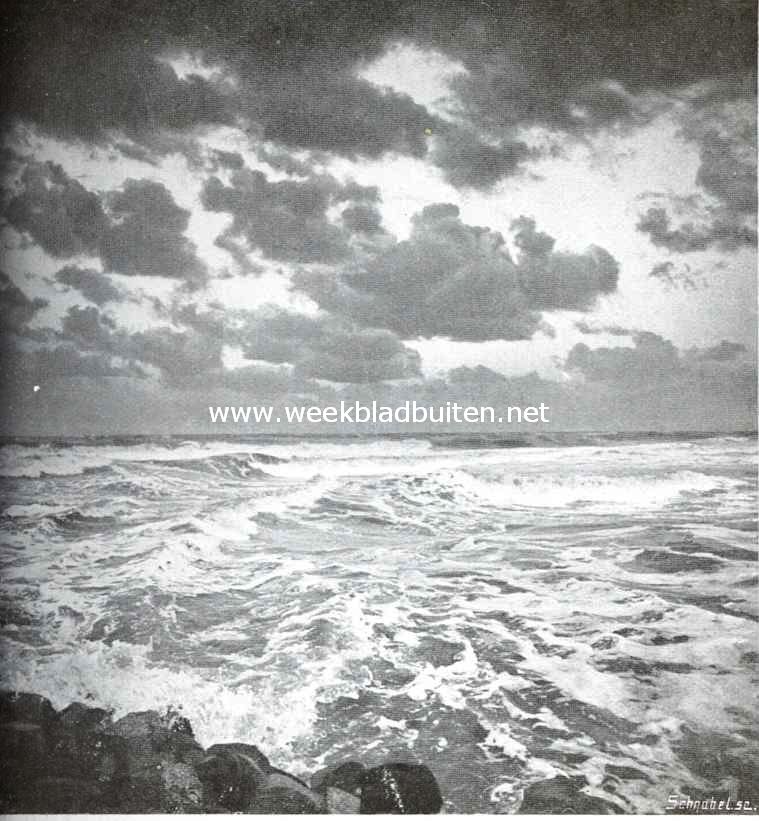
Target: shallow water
x: 584, y: 605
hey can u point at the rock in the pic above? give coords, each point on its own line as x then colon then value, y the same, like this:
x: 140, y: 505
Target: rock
x: 23, y: 749
x: 183, y: 790
x: 81, y: 752
x: 284, y: 801
x: 55, y: 794
x: 83, y: 717
x: 347, y: 777
x: 280, y: 780
x: 26, y: 707
x: 340, y: 802
x: 232, y: 774
x: 563, y: 795
x: 154, y: 744
x: 151, y: 736
x: 248, y: 750
x: 400, y: 788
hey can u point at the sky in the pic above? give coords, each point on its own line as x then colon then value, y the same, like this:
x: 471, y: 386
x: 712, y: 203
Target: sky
x: 290, y: 202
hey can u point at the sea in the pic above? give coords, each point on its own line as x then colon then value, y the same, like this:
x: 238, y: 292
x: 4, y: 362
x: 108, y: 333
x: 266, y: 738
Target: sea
x: 502, y: 609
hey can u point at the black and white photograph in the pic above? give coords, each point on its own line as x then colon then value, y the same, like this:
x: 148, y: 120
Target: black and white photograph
x: 378, y: 410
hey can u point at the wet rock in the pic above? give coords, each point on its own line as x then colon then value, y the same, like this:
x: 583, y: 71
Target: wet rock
x: 232, y: 774
x: 284, y: 794
x: 154, y: 744
x: 400, y: 788
x: 55, y: 794
x: 23, y: 748
x: 282, y: 801
x: 183, y: 790
x: 78, y: 752
x: 150, y: 736
x: 340, y: 802
x: 347, y: 777
x: 26, y: 707
x: 563, y: 795
x: 83, y: 717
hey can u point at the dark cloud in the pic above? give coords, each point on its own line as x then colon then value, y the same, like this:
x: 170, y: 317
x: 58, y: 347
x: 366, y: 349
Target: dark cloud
x: 88, y: 73
x: 676, y: 276
x: 138, y: 229
x: 281, y: 160
x: 16, y: 308
x: 287, y: 220
x: 289, y: 72
x: 723, y: 231
x: 89, y: 329
x: 341, y: 115
x: 362, y: 219
x: 724, y: 352
x: 613, y: 330
x: 57, y: 211
x: 468, y: 162
x: 459, y: 281
x: 323, y: 348
x: 92, y: 285
x: 66, y: 361
x: 185, y: 358
x: 146, y: 235
x: 190, y: 353
x: 728, y: 169
x: 555, y: 280
x: 651, y: 357
x: 576, y: 66
x: 229, y: 159
x: 726, y: 138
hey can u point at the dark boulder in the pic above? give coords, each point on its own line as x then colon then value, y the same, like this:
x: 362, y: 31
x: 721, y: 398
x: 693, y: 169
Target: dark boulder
x: 27, y: 707
x: 80, y: 752
x: 154, y: 745
x: 150, y: 734
x: 82, y: 717
x: 347, y: 777
x: 285, y: 794
x: 232, y: 774
x: 400, y: 788
x: 23, y: 750
x: 339, y: 802
x: 55, y: 794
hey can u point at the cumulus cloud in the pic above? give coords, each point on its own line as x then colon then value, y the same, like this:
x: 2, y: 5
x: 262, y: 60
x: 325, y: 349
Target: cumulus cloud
x: 459, y: 281
x: 723, y: 231
x: 92, y: 285
x: 725, y: 133
x: 288, y: 220
x: 16, y: 308
x: 190, y: 352
x: 321, y: 347
x: 146, y: 235
x: 57, y: 211
x: 652, y: 356
x: 138, y: 229
x: 469, y: 162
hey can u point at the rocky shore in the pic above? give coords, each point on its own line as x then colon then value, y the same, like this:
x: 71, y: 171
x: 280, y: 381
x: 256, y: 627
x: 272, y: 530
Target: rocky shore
x: 80, y: 760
